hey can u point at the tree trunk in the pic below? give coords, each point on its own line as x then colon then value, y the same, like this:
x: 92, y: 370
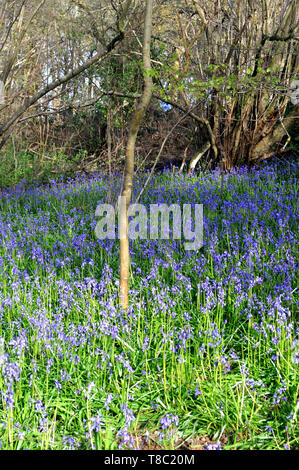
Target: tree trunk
x: 198, y: 156
x: 269, y: 144
x: 129, y: 165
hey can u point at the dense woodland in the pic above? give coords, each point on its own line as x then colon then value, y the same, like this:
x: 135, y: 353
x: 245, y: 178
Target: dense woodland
x: 71, y: 73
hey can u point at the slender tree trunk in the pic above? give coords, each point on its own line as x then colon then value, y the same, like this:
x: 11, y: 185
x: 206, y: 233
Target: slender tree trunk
x: 109, y: 149
x: 184, y: 159
x: 129, y: 165
x: 198, y: 156
x: 2, y: 95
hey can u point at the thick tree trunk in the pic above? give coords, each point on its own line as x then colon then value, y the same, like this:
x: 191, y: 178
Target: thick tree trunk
x: 269, y: 144
x: 129, y: 166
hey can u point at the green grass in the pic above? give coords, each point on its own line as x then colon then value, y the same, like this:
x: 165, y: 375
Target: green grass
x: 209, y: 339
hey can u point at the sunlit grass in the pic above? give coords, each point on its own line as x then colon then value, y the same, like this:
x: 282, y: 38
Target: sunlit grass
x: 207, y: 347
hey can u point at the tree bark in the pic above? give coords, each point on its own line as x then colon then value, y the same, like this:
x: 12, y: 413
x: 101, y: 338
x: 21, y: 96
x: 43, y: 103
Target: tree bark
x: 198, y: 156
x: 269, y: 143
x: 129, y: 165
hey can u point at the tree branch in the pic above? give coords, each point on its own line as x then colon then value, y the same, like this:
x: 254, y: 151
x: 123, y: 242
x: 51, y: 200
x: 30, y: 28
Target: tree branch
x: 33, y: 99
